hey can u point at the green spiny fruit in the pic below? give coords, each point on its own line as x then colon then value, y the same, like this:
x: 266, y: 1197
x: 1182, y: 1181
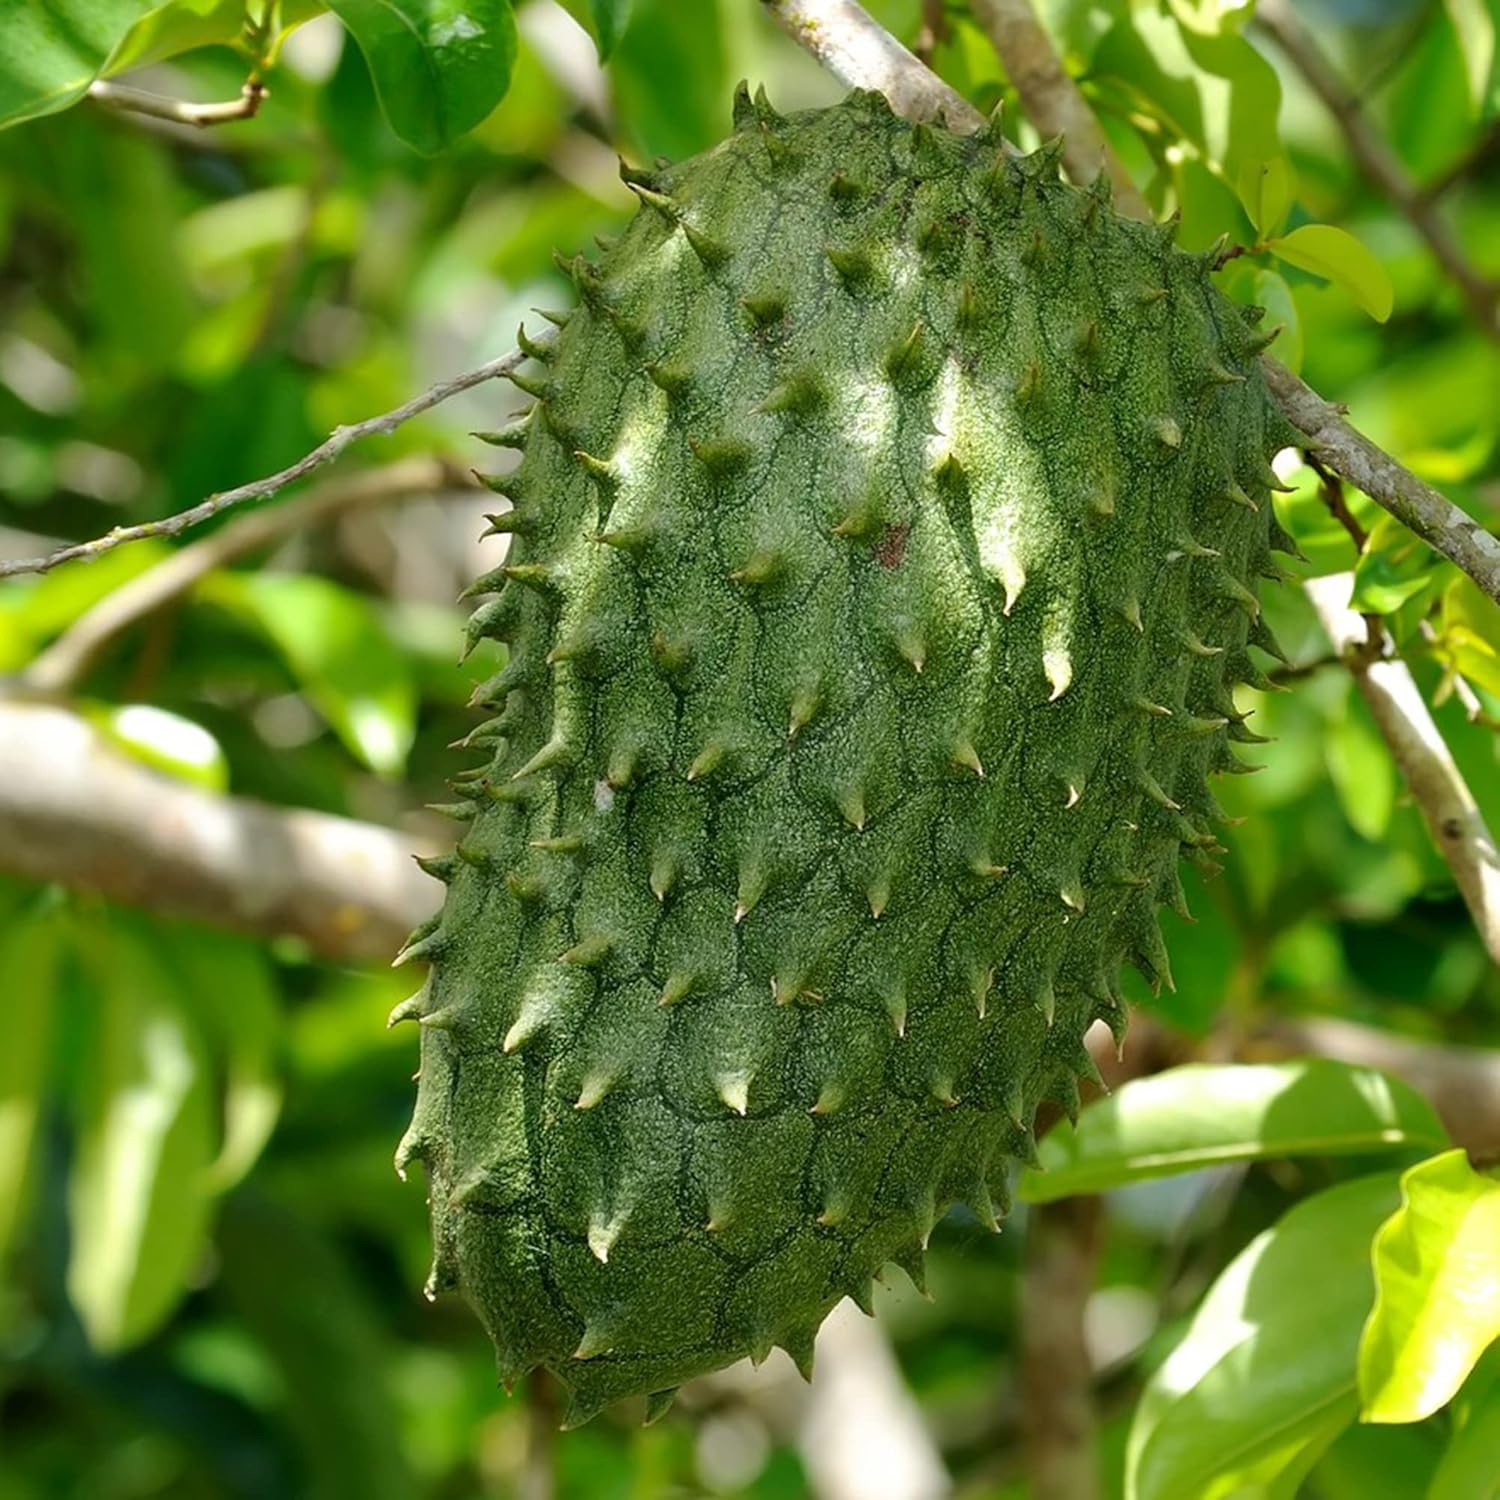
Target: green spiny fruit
x: 885, y: 552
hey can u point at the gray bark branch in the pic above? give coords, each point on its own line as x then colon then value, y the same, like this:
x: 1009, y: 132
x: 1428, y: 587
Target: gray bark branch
x: 1052, y: 100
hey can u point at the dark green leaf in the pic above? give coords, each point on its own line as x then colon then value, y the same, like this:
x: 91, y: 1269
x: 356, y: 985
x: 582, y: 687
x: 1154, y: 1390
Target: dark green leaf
x: 604, y: 19
x: 1205, y: 1114
x: 440, y: 66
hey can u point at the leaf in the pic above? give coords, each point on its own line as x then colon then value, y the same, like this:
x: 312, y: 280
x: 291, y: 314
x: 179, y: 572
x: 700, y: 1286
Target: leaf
x: 166, y: 742
x: 604, y: 20
x: 1469, y: 639
x: 440, y: 66
x: 185, y: 24
x: 229, y: 982
x: 137, y: 1194
x: 1266, y: 189
x: 1476, y: 38
x: 1393, y: 567
x: 1361, y: 769
x: 1340, y: 258
x: 30, y: 954
x: 337, y: 645
x: 53, y: 51
x: 1437, y: 1278
x: 672, y: 76
x: 1273, y: 294
x: 1206, y: 1114
x: 1266, y: 1368
x: 1468, y: 1469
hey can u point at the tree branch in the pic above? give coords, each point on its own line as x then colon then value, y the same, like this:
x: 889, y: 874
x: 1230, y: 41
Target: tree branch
x: 1352, y: 456
x: 1063, y: 1244
x: 121, y: 96
x: 262, y: 489
x: 1437, y: 786
x: 839, y: 33
x: 63, y: 664
x: 1378, y: 162
x: 75, y: 809
x: 1052, y: 100
x: 861, y: 53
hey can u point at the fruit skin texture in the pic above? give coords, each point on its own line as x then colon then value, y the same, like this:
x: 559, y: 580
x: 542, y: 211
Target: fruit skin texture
x: 884, y: 554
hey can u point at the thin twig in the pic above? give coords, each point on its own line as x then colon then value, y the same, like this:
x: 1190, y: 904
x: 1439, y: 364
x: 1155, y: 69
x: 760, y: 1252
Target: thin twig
x: 1378, y: 162
x: 861, y: 53
x: 123, y: 97
x: 1346, y: 452
x: 262, y: 489
x: 1436, y: 784
x: 62, y: 665
x: 1052, y: 100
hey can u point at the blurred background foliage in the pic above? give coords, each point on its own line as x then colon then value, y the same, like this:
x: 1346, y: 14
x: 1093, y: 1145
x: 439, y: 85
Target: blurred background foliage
x: 212, y: 1274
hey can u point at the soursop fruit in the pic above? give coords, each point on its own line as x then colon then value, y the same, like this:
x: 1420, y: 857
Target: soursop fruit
x: 884, y: 557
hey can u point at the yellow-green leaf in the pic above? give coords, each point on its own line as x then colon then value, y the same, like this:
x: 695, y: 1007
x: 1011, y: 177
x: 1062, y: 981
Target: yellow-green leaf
x: 1469, y: 640
x: 1266, y: 189
x: 1437, y: 1280
x: 1340, y: 258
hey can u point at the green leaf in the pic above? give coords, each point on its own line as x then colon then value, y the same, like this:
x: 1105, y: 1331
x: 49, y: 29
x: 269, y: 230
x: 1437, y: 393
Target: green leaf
x: 166, y: 742
x: 183, y: 25
x: 30, y: 954
x: 1476, y: 38
x: 1361, y: 769
x: 54, y: 50
x: 1437, y: 1278
x: 1205, y: 1114
x: 1266, y: 189
x: 230, y: 985
x: 1468, y: 641
x: 440, y: 66
x: 1266, y: 1368
x: 1393, y: 567
x: 1273, y: 294
x: 337, y: 644
x: 672, y: 75
x: 1468, y: 1469
x: 604, y: 20
x: 1340, y: 258
x: 137, y: 1195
